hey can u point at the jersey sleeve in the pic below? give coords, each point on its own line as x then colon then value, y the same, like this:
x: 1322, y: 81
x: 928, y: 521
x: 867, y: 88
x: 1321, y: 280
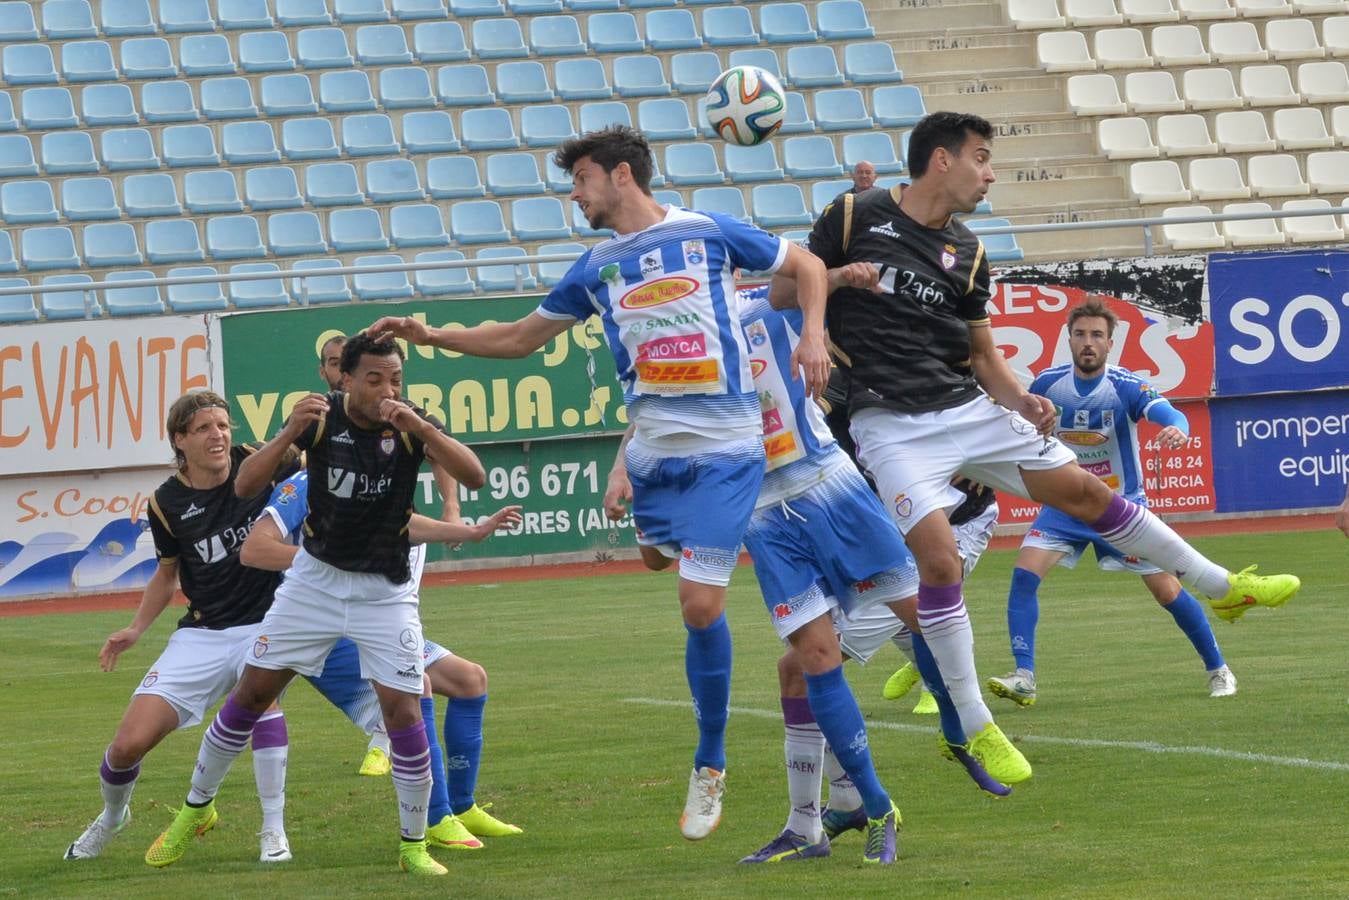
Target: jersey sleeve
x: 973, y: 307
x: 289, y: 503
x: 167, y: 548
x: 1041, y: 383
x: 750, y: 247
x: 826, y: 237
x: 307, y: 438
x: 1161, y: 412
x: 569, y: 299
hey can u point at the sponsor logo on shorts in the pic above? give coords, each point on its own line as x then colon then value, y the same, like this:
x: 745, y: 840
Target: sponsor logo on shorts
x: 666, y: 290
x: 386, y: 442
x: 410, y: 673
x: 694, y: 252
x: 1035, y: 533
x: 150, y: 678
x: 678, y: 346
x: 260, y: 646
x: 903, y: 505
x: 708, y: 556
x: 408, y: 638
x: 782, y: 611
x: 192, y: 511
x: 344, y: 438
x: 866, y: 584
x: 1083, y: 438
x: 654, y: 372
x: 1132, y: 560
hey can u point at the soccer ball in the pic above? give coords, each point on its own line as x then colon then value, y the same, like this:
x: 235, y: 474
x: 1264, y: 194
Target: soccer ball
x: 746, y: 105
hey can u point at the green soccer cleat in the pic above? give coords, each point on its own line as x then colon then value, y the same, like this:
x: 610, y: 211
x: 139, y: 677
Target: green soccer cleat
x: 999, y: 757
x: 1017, y: 686
x: 926, y: 705
x: 413, y: 859
x: 376, y: 763
x: 480, y: 824
x: 900, y: 683
x: 190, y: 822
x: 450, y: 832
x: 1247, y: 589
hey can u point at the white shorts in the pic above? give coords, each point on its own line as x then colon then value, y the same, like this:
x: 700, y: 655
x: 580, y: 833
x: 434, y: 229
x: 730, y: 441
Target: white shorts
x: 318, y: 603
x: 973, y: 536
x: 433, y: 653
x: 861, y: 634
x: 198, y: 667
x: 913, y: 456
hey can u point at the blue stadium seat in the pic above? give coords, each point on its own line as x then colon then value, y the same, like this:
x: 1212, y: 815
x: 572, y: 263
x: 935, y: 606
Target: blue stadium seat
x: 47, y: 107
x: 581, y: 79
x: 417, y: 225
x: 345, y: 91
x: 201, y: 297
x: 147, y: 58
x: 265, y: 51
x: 309, y: 139
x: 841, y: 109
x: 438, y: 282
x: 16, y: 156
x: 811, y: 156
x: 272, y: 187
x: 108, y: 104
x: 439, y: 42
x: 726, y: 200
x: 467, y: 8
x: 591, y: 5
x: 672, y: 29
x: 27, y: 203
x: 211, y: 191
x: 813, y: 66
x: 533, y: 7
x: 694, y: 163
x: 68, y: 153
x: 323, y: 48
x: 411, y: 10
x: 729, y: 26
x: 842, y: 20
x: 488, y: 129
x: 776, y: 205
x: 666, y: 119
x: 452, y: 177
x: 127, y: 17
x: 295, y: 234
x: 133, y: 301
x: 60, y: 305
x: 17, y: 307
x: 503, y: 278
x: 550, y: 273
x: 391, y: 180
x: 185, y: 16
x: 249, y: 142
x: 125, y: 149
x: 111, y: 244
x: 288, y: 95
x: 172, y: 241
x: 595, y: 116
x: 261, y: 293
x: 408, y: 87
x: 7, y: 120
x: 998, y: 247
x: 649, y: 4
x: 785, y: 23
x: 523, y: 82
x: 464, y: 85
x: 319, y: 288
x: 87, y: 61
x: 351, y: 12
x: 876, y: 147
x: 822, y: 193
x: 381, y: 285
x: 613, y: 32
x: 555, y: 36
x: 189, y: 146
x: 765, y: 58
x: 48, y: 247
x: 557, y: 178
x: 302, y: 12
x: 206, y: 54
x: 871, y: 63
x: 234, y: 237
x: 382, y: 45
x: 640, y: 76
x: 498, y: 39
x: 151, y: 195
x: 477, y: 222
x: 693, y: 73
x: 513, y: 174
x: 89, y: 199
x: 61, y: 20
x: 228, y: 98
x: 546, y: 126
x: 368, y: 134
x: 431, y: 131
x: 750, y: 164
x: 797, y: 120
x: 8, y: 263
x: 897, y: 105
x: 358, y: 228
x: 28, y: 64
x: 239, y: 14
x: 168, y: 101
x: 332, y: 184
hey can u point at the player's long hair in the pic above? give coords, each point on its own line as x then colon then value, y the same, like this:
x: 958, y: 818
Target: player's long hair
x: 180, y: 417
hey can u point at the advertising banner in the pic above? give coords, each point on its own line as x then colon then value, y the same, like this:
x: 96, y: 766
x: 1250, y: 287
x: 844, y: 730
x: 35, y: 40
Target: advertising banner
x: 1281, y: 321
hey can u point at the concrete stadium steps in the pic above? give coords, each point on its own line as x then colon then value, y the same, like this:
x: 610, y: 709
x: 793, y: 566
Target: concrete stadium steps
x: 950, y: 52
x: 908, y: 16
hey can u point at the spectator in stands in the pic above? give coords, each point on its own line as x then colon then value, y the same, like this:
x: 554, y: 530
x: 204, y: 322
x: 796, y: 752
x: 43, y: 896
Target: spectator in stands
x: 863, y: 177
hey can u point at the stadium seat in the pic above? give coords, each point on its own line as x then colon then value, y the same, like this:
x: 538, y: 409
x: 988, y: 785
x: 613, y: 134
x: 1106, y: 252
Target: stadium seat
x: 206, y: 54
x: 765, y: 58
x: 668, y: 197
x: 168, y: 101
x: 1149, y: 92
x: 392, y: 180
x: 189, y: 146
x: 1064, y: 51
x: 357, y: 11
x: 185, y: 16
x: 90, y: 199
x: 1276, y: 175
x: 125, y: 149
x: 87, y: 61
x: 728, y: 201
x: 466, y: 8
x: 1199, y: 10
x: 786, y: 23
x: 672, y: 29
x: 813, y: 66
x: 1323, y: 82
x: 1242, y: 131
x: 841, y: 109
x: 234, y: 15
x: 61, y: 20
x: 1121, y: 48
x: 16, y: 156
x: 613, y: 32
x: 590, y: 5
x: 665, y: 119
x: 822, y: 193
x: 842, y: 20
x: 288, y: 95
x: 498, y: 39
x: 332, y: 184
x: 261, y: 293
x: 1126, y: 138
x: 1035, y: 14
x: 1339, y: 125
x: 200, y: 297
x: 7, y: 120
x: 345, y: 91
x: 1234, y: 42
x: 504, y: 278
x: 555, y: 36
x: 151, y: 195
x: 693, y: 163
x: 1186, y: 134
x: 211, y: 191
x: 477, y: 222
x: 1335, y: 35
x: 557, y: 178
x: 1312, y: 229
x: 1301, y: 128
x: 228, y: 98
x: 439, y: 42
x: 1178, y: 45
x: 1092, y: 12
x: 640, y: 76
x: 776, y: 205
x: 132, y: 301
x: 870, y: 63
x: 1217, y: 179
x: 111, y: 244
x: 533, y: 7
x: 751, y: 164
x: 581, y: 79
x: 47, y: 107
x: 308, y: 139
x: 368, y: 134
x: 1194, y: 235
x: 1157, y: 181
x: 272, y: 187
x: 876, y: 147
x: 295, y: 234
x: 17, y: 307
x: 453, y: 177
x: 27, y: 202
x: 1268, y: 86
x: 323, y: 48
x: 1250, y: 9
x: 430, y: 131
x: 302, y: 12
x: 417, y: 225
x: 694, y: 72
x: 811, y: 157
x: 405, y: 88
x: 464, y: 85
x: 108, y: 104
x: 319, y: 288
x: 1328, y: 171
x: 68, y: 153
x: 546, y: 126
x: 550, y: 273
x: 147, y: 58
x: 48, y: 247
x: 539, y: 219
x: 797, y: 120
x: 1293, y: 39
x: 513, y: 174
x: 8, y: 262
x: 523, y: 82
x: 729, y: 26
x: 595, y: 116
x: 356, y: 229
x: 381, y: 285
x: 488, y: 129
x: 438, y: 282
x: 997, y: 247
x: 265, y: 51
x: 1211, y: 89
x: 249, y: 142
x: 127, y: 17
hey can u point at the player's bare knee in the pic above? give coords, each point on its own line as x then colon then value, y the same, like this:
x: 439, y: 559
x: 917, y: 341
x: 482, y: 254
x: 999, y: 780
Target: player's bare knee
x: 654, y: 560
x: 475, y: 680
x: 126, y: 750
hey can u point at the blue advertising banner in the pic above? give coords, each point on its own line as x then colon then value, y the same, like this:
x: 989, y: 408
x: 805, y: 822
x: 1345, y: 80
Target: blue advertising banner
x: 1280, y: 321
x: 1289, y: 451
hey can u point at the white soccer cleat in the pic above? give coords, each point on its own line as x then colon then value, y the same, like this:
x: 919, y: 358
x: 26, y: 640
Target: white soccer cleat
x: 275, y: 847
x: 1018, y: 686
x: 96, y: 837
x: 702, y: 808
x: 1221, y: 682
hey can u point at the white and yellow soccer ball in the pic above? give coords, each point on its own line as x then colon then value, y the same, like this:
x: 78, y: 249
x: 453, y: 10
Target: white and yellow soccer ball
x: 746, y: 105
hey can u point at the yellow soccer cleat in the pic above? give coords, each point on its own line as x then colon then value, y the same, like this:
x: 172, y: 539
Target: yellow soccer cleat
x: 190, y: 822
x: 999, y: 756
x: 926, y: 705
x: 376, y: 763
x: 482, y: 825
x: 450, y: 832
x: 1247, y: 589
x: 900, y: 683
x: 413, y: 859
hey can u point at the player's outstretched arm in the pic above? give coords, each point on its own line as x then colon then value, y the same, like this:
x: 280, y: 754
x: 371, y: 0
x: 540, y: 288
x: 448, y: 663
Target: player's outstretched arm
x: 156, y: 597
x: 267, y: 548
x: 496, y: 340
x: 425, y: 530
x: 256, y: 472
x: 996, y: 378
x: 810, y: 359
x: 861, y: 275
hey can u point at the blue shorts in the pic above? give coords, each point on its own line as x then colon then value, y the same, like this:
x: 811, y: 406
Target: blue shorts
x: 696, y: 508
x: 833, y: 545
x: 1061, y: 533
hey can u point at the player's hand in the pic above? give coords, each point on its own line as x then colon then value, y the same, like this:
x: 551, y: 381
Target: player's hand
x: 1037, y: 410
x: 309, y: 410
x: 414, y: 331
x: 400, y: 415
x: 502, y: 518
x: 1172, y: 438
x: 117, y: 643
x: 861, y: 275
x: 617, y: 496
x: 811, y: 359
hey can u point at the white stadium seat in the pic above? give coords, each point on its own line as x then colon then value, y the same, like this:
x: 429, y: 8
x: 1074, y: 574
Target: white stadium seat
x: 1328, y: 171
x: 1323, y: 82
x: 1258, y: 9
x: 1301, y: 128
x: 1178, y: 45
x: 1092, y: 12
x: 1233, y: 42
x: 1035, y: 14
x: 1192, y: 235
x: 1126, y: 138
x: 1211, y: 89
x: 1185, y: 135
x: 1063, y: 51
x: 1268, y: 86
x: 1121, y: 48
x: 1152, y: 92
x: 1312, y: 229
x: 1195, y: 10
x: 1335, y: 35
x: 1339, y: 125
x: 1293, y: 39
x: 1276, y: 175
x: 1146, y: 12
x: 1094, y: 95
x: 1217, y: 178
x: 1252, y: 232
x: 1243, y: 132
x: 1157, y: 181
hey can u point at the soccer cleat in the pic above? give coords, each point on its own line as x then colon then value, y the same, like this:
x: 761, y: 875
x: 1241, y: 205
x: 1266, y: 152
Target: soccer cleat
x: 275, y: 847
x: 999, y: 756
x: 986, y: 783
x: 702, y: 806
x: 789, y: 846
x: 450, y: 832
x: 926, y: 705
x: 881, y: 839
x: 190, y: 822
x: 900, y: 683
x: 480, y: 824
x: 837, y: 821
x: 413, y: 858
x: 1018, y: 686
x: 1221, y: 682
x: 376, y: 763
x: 1247, y: 589
x: 91, y: 843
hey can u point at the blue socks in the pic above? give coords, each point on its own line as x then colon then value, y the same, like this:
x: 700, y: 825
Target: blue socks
x: 840, y: 721
x: 707, y: 662
x: 1023, y: 611
x: 926, y: 663
x: 463, y: 749
x: 1189, y: 615
x: 439, y: 807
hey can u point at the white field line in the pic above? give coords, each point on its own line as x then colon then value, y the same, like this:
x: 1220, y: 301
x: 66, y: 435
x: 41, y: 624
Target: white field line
x: 1143, y: 746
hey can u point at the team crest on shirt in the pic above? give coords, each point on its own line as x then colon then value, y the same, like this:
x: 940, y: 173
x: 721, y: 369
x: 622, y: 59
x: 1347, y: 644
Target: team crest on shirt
x: 694, y: 252
x: 652, y: 264
x: 260, y: 646
x: 150, y: 678
x: 903, y: 505
x: 386, y: 442
x: 757, y: 333
x: 948, y: 257
x: 1108, y: 419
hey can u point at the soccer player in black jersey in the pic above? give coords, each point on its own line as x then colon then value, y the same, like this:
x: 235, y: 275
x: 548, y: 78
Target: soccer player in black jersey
x: 930, y: 395
x: 199, y: 524
x: 351, y: 578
